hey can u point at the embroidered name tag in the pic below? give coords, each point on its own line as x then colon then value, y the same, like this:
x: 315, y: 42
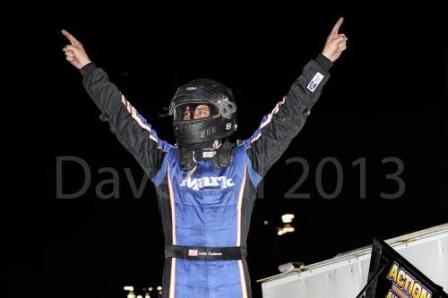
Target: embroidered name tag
x: 314, y: 83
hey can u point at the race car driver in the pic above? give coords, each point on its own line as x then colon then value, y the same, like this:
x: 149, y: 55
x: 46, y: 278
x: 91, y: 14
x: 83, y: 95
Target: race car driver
x: 206, y: 185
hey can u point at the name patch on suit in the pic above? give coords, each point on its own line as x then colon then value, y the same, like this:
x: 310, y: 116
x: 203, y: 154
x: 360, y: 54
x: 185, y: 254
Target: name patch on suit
x: 315, y: 81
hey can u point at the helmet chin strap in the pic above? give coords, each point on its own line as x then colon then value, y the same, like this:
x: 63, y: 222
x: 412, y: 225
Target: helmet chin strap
x: 220, y: 151
x: 224, y: 154
x: 215, y: 146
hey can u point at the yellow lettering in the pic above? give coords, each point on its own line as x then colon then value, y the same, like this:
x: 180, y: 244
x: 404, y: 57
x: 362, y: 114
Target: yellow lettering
x: 416, y: 290
x: 409, y: 284
x: 392, y: 275
x: 390, y: 295
x: 398, y: 292
x: 425, y: 294
x: 401, y: 277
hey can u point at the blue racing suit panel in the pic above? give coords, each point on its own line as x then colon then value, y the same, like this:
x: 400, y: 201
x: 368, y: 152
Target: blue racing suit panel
x: 208, y: 279
x: 206, y: 201
x: 209, y: 207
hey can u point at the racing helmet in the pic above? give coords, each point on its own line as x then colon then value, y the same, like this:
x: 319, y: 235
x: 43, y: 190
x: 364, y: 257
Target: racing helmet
x: 203, y: 111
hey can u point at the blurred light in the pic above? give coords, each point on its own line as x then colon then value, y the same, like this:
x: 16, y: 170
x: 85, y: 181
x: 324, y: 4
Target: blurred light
x: 266, y: 222
x: 287, y: 228
x: 290, y: 266
x: 286, y: 267
x: 128, y: 288
x: 287, y: 218
x: 159, y: 288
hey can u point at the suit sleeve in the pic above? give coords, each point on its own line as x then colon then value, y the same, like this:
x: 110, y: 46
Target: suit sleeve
x: 277, y: 129
x: 130, y: 128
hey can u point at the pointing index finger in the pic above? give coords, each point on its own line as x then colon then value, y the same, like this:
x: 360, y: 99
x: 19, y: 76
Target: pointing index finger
x: 335, y: 30
x: 70, y: 37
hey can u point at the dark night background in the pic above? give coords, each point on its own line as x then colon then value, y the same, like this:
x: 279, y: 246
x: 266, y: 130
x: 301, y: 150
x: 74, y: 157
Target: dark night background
x: 387, y: 97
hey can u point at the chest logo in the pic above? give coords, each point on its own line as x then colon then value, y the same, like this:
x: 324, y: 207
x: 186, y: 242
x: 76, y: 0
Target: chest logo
x: 211, y: 182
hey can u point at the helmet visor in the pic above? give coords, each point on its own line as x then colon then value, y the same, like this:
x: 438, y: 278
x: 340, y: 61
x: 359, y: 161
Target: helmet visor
x: 194, y: 111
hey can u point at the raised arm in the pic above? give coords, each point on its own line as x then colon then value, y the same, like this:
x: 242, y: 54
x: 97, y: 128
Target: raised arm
x: 131, y: 129
x: 288, y: 117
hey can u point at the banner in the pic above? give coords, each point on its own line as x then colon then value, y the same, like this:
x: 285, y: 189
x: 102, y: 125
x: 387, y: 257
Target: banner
x: 392, y: 276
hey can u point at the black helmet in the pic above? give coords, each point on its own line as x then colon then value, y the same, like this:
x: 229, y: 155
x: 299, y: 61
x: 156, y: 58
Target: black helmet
x: 219, y: 120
